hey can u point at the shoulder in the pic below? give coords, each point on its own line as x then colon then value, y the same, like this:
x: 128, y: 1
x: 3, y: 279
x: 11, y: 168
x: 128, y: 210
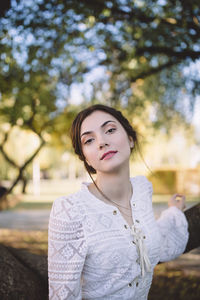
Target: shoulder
x: 142, y: 193
x: 67, y: 207
x: 142, y: 181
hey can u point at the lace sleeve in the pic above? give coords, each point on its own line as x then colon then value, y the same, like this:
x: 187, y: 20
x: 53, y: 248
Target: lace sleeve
x: 173, y: 228
x: 66, y: 251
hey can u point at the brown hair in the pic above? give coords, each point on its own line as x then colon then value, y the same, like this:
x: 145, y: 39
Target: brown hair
x: 76, y: 129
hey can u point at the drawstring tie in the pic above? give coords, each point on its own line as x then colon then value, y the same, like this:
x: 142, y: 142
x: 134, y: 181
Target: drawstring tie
x: 141, y: 248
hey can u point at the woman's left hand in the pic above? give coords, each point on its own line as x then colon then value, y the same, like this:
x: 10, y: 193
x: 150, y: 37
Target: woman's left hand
x: 177, y: 200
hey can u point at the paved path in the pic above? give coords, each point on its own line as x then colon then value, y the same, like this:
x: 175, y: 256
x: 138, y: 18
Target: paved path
x: 34, y: 219
x: 37, y: 219
x: 25, y: 219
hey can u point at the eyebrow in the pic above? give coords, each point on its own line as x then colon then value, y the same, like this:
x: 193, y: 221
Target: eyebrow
x: 103, y: 125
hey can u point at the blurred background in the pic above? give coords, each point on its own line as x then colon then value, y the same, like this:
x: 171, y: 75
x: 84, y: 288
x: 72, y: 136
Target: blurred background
x: 56, y: 58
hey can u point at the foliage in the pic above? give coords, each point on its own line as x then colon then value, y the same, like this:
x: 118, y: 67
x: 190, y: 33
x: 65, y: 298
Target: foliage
x: 164, y: 182
x: 140, y: 46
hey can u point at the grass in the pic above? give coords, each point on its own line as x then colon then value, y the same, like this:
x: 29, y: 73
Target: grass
x: 173, y: 284
x: 49, y: 190
x: 30, y: 205
x: 164, y: 198
x: 32, y: 241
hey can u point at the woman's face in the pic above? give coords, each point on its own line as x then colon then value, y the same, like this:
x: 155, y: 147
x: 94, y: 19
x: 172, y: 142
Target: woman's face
x: 105, y: 143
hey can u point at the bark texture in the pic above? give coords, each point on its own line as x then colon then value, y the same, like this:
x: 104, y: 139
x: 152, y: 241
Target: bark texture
x: 193, y: 217
x: 23, y: 275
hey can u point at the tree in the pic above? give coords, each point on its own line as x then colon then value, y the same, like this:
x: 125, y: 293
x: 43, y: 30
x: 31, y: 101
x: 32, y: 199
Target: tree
x: 131, y: 40
x: 22, y: 108
x: 145, y: 47
x: 29, y: 92
x: 47, y: 46
x: 136, y: 43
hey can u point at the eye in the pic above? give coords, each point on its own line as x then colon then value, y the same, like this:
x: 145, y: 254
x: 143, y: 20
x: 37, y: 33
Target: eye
x: 111, y: 130
x: 89, y: 141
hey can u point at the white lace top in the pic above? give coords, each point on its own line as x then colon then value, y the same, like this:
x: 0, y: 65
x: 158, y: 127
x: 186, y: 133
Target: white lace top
x: 93, y: 254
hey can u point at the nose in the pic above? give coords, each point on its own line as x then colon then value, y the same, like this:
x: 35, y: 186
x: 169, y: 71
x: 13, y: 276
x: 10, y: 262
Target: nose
x: 102, y: 143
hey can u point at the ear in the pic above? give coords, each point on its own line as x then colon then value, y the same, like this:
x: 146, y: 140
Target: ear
x: 131, y: 142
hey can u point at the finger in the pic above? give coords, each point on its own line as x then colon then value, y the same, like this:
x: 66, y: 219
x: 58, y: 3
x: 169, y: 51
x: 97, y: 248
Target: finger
x: 177, y: 200
x: 180, y: 197
x: 173, y: 197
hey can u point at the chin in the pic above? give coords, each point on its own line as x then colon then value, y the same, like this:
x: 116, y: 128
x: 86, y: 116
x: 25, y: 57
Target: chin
x: 113, y: 166
x: 111, y: 170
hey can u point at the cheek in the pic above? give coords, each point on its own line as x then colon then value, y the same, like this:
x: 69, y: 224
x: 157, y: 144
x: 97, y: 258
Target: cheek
x: 89, y: 155
x: 85, y: 153
x: 124, y: 141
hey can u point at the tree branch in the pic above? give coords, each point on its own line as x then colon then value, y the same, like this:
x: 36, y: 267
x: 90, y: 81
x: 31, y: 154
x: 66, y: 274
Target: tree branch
x: 4, y: 7
x: 152, y: 71
x: 169, y: 52
x: 21, y: 169
x: 7, y: 158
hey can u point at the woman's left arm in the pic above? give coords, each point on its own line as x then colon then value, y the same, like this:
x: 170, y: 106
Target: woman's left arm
x: 173, y: 228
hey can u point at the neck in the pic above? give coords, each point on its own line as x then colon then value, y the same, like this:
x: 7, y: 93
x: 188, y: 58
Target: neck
x: 116, y: 187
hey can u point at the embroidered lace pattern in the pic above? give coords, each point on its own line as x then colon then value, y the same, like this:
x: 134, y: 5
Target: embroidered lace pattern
x: 93, y: 254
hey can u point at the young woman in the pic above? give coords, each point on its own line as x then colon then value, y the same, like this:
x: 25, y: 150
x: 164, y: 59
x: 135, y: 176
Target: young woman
x: 103, y: 240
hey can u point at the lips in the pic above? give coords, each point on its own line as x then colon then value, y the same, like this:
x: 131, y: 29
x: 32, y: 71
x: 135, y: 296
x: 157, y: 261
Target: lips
x: 108, y: 154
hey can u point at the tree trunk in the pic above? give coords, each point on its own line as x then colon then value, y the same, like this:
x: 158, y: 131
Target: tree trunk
x: 22, y: 168
x: 3, y: 198
x: 23, y: 275
x: 24, y: 184
x: 193, y: 218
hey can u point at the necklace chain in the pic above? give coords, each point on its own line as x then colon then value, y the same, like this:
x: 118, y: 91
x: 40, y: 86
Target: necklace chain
x: 108, y: 199
x: 125, y: 213
x: 127, y: 208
